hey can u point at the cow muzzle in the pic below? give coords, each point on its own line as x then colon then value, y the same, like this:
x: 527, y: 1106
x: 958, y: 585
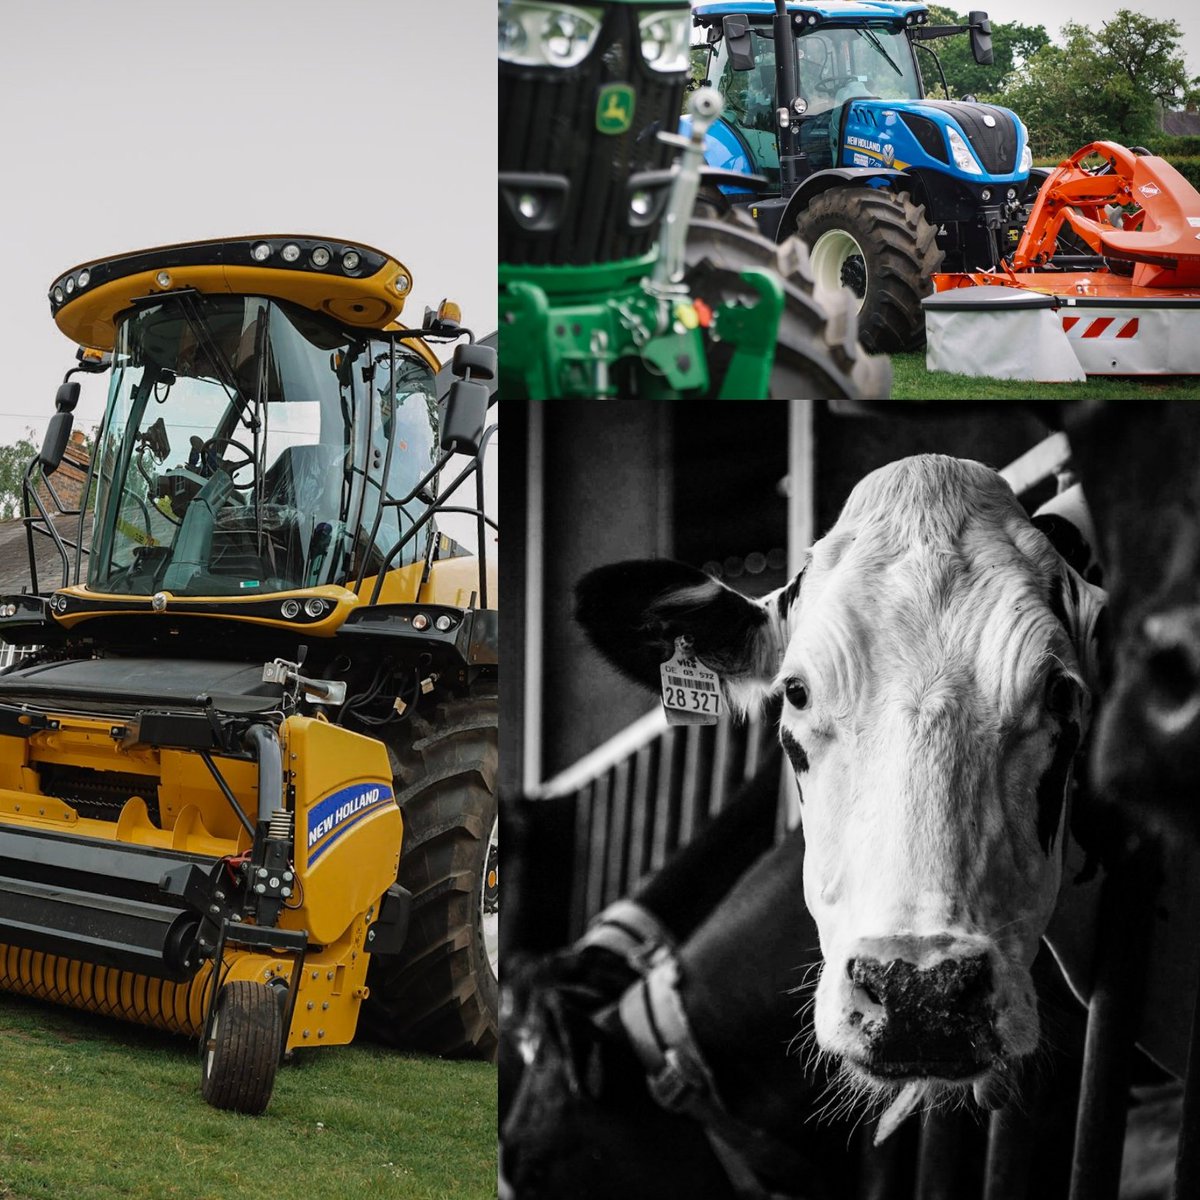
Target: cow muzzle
x: 934, y: 1021
x: 915, y: 1008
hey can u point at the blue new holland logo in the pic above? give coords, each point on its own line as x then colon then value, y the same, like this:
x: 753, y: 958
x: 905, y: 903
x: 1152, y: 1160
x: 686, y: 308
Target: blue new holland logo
x: 334, y: 815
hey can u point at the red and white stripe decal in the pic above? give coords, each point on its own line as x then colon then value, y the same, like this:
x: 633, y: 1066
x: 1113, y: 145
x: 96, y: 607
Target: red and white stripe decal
x: 1100, y: 327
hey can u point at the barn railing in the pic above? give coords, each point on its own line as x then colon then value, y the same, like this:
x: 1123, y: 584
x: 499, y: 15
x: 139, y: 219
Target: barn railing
x: 646, y: 791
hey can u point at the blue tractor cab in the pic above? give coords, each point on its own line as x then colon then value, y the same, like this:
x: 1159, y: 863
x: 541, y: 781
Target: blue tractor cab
x: 826, y: 116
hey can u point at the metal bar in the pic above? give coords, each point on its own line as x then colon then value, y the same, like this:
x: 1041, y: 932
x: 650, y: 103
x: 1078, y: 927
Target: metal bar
x: 631, y: 739
x: 1038, y: 463
x: 639, y: 817
x: 1011, y: 1131
x: 662, y: 798
x: 1187, y: 1162
x: 719, y: 773
x: 583, y: 837
x: 598, y: 844
x: 618, y: 833
x: 227, y: 792
x: 689, y: 788
x: 1126, y: 914
x: 950, y: 1158
x: 534, y: 582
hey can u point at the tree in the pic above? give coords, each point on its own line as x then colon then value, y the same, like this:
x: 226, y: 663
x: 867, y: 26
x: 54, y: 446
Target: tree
x: 1013, y: 44
x: 1105, y: 85
x: 13, y: 461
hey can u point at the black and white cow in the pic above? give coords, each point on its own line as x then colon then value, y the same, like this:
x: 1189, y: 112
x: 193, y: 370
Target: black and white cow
x: 935, y: 661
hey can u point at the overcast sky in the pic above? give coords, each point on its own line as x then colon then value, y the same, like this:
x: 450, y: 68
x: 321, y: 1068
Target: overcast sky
x: 1093, y: 13
x: 133, y: 123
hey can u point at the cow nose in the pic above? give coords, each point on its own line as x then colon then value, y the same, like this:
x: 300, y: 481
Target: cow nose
x: 924, y: 1021
x: 1171, y: 672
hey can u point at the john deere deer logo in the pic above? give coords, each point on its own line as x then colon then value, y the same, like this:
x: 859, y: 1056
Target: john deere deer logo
x: 614, y: 108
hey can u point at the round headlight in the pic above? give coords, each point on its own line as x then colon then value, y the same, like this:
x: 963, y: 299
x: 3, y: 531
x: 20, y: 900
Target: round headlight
x: 59, y: 295
x: 290, y: 252
x: 260, y: 251
x: 640, y: 203
x: 320, y: 257
x: 163, y: 279
x: 443, y: 623
x: 535, y: 33
x: 290, y: 608
x: 420, y: 622
x: 402, y: 283
x: 664, y: 37
x: 314, y: 607
x: 70, y: 284
x: 528, y: 205
x: 350, y: 260
x: 85, y: 277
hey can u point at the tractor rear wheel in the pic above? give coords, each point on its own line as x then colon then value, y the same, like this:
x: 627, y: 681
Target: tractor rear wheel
x: 879, y: 244
x: 817, y: 351
x: 241, y: 1048
x: 440, y: 994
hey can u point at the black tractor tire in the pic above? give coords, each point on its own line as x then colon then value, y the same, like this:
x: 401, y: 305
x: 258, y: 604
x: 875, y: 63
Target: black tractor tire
x: 241, y: 1048
x: 817, y: 353
x: 879, y: 244
x: 440, y: 993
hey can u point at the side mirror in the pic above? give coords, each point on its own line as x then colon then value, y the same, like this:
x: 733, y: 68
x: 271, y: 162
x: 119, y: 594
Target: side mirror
x: 737, y: 38
x: 54, y: 444
x: 465, y: 413
x: 981, y: 38
x: 58, y: 432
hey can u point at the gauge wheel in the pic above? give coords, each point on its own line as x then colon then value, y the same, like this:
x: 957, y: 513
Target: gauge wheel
x: 241, y: 1048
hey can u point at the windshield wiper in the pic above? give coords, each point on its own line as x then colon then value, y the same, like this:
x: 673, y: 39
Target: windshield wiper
x: 874, y: 40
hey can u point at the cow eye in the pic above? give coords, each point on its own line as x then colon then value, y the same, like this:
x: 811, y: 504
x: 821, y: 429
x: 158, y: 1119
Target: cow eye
x: 1060, y: 695
x: 796, y: 693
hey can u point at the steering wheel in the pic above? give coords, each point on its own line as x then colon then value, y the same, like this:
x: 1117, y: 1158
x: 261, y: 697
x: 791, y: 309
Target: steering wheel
x: 830, y: 84
x: 233, y: 467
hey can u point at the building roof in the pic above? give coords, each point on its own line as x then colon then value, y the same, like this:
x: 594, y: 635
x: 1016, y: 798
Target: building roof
x: 1181, y: 123
x: 14, y: 555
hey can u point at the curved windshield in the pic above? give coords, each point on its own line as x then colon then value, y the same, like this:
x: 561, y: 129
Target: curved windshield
x: 230, y: 461
x: 833, y: 65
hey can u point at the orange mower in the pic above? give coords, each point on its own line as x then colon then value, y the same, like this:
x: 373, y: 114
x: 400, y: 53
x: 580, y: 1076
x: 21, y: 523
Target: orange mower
x: 1114, y: 252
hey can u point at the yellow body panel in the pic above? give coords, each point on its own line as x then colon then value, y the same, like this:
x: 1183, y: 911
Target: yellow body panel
x: 455, y: 581
x: 342, y: 599
x: 348, y: 828
x: 347, y: 854
x: 371, y: 302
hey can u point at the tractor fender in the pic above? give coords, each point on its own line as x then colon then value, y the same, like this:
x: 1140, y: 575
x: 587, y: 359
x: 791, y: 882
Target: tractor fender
x: 822, y: 181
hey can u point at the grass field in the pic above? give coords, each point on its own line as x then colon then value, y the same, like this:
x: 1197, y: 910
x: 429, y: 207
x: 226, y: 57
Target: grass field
x: 97, y: 1110
x: 911, y: 381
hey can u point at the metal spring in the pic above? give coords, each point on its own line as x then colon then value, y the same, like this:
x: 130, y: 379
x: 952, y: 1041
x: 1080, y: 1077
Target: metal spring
x: 161, y: 1003
x: 281, y: 825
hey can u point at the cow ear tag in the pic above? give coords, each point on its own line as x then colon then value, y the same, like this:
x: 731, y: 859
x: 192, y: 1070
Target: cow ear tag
x: 691, y: 693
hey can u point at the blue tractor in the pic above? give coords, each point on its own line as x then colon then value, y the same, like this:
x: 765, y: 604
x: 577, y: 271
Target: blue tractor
x: 826, y: 115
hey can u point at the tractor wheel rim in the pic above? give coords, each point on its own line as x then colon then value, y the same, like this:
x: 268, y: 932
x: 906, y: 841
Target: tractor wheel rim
x: 838, y: 261
x: 489, y: 900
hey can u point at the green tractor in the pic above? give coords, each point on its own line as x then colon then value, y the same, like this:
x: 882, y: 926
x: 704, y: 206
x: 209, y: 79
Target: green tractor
x: 610, y: 282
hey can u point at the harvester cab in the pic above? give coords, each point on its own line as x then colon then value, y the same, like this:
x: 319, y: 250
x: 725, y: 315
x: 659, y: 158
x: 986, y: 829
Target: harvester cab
x: 247, y: 773
x: 825, y: 103
x: 608, y: 286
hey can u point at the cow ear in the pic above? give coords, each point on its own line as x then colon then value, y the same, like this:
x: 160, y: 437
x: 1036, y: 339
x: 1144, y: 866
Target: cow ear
x: 633, y: 612
x: 1082, y: 608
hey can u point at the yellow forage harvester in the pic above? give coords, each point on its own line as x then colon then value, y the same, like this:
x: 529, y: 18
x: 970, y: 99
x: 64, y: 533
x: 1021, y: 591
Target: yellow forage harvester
x: 248, y: 745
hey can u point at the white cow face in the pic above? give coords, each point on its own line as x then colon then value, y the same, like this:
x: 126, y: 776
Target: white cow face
x: 934, y: 698
x: 934, y: 702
